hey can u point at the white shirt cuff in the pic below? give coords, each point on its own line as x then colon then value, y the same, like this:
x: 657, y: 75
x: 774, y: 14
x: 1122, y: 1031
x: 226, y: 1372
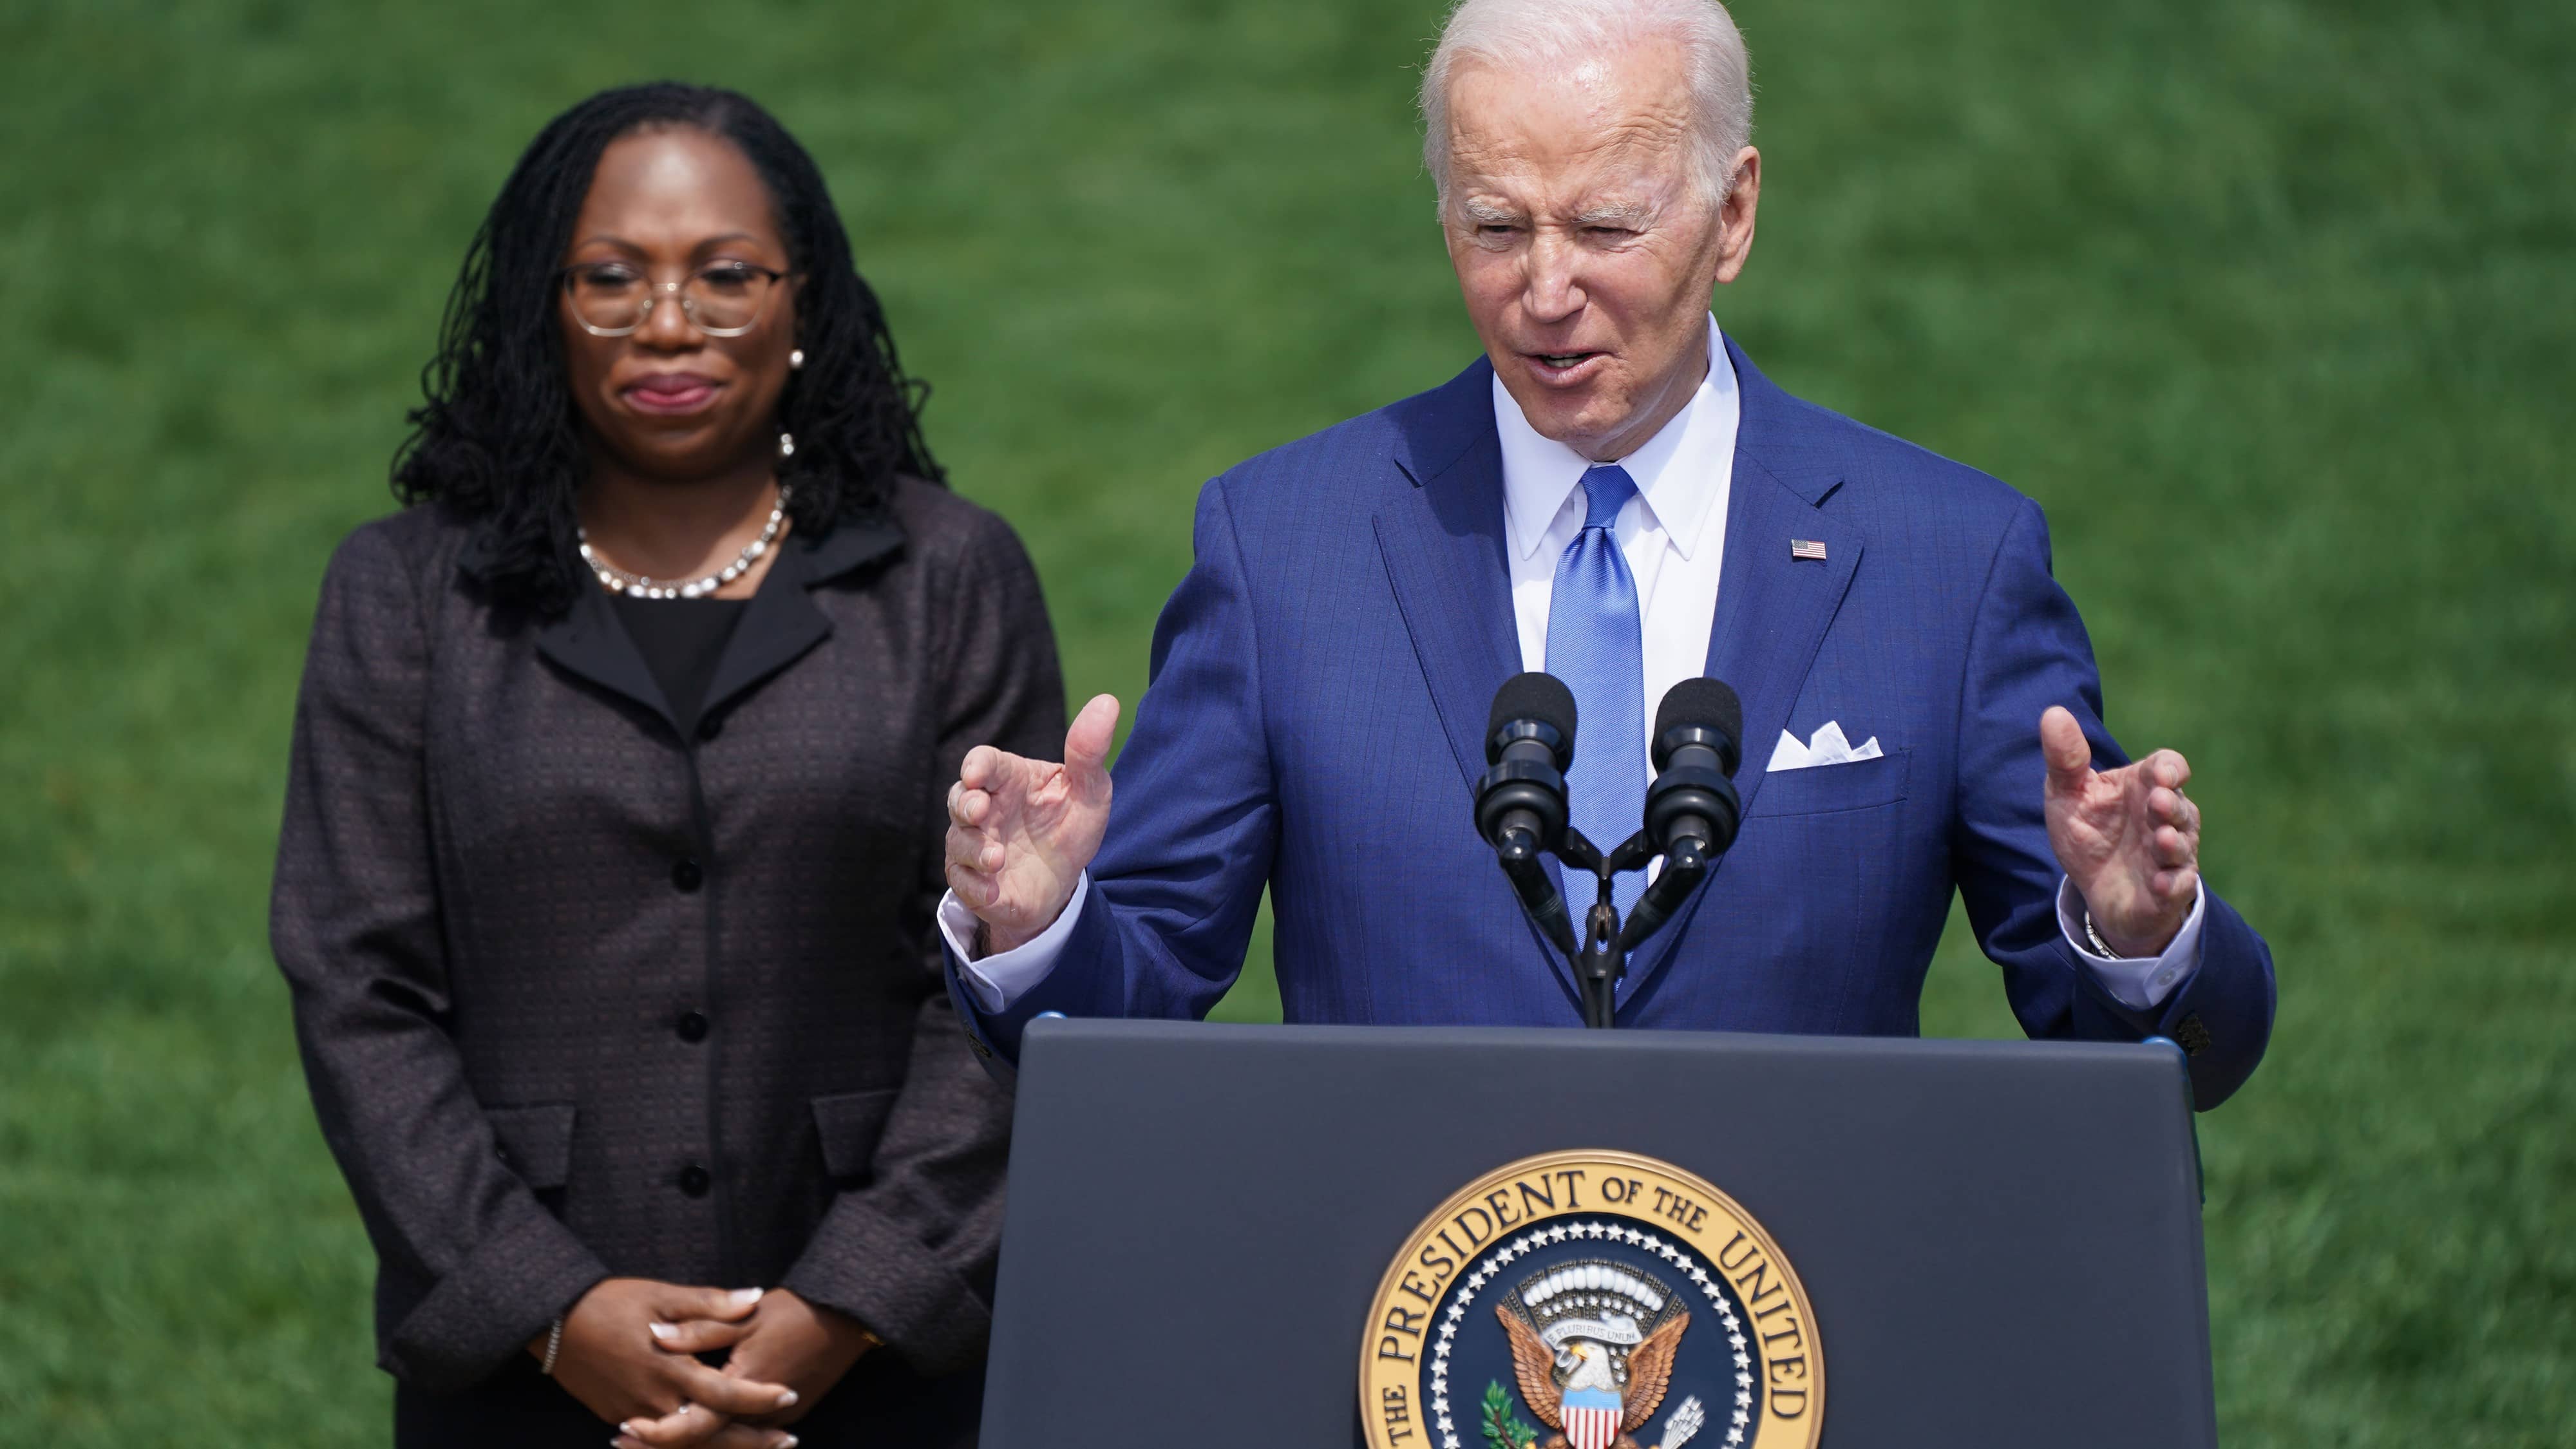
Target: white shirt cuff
x: 1006, y: 976
x: 2140, y: 983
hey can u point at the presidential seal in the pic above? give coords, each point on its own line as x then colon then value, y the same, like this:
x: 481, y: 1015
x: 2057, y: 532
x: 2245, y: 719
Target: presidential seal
x: 1590, y: 1300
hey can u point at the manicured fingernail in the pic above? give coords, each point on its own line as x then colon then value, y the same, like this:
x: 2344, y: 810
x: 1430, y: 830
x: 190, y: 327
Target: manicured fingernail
x: 746, y: 1296
x: 790, y: 1442
x: 787, y: 1398
x: 663, y: 1331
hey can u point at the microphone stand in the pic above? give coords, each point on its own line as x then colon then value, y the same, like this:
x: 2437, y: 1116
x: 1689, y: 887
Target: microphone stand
x: 1601, y: 960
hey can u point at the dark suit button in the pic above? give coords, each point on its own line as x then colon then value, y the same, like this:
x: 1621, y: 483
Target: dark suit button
x: 694, y: 1180
x: 710, y: 727
x: 687, y: 875
x: 693, y: 1026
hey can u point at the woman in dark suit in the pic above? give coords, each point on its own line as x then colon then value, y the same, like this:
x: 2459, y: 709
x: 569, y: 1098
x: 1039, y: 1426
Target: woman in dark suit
x: 612, y: 837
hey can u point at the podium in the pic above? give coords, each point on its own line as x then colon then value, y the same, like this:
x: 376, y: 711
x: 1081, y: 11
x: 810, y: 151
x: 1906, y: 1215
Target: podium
x: 1211, y: 1227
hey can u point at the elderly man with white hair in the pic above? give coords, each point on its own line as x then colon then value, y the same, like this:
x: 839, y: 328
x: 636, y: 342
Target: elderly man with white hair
x: 1615, y: 495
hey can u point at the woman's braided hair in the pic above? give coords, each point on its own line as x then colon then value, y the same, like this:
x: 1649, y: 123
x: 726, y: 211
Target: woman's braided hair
x: 498, y: 441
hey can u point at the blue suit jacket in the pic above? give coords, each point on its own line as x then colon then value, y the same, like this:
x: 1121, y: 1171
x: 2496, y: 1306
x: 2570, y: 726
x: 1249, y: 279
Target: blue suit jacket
x: 1319, y: 689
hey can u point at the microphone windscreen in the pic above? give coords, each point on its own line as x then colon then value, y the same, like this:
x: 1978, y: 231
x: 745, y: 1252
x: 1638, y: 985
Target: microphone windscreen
x: 1707, y: 703
x: 1540, y: 697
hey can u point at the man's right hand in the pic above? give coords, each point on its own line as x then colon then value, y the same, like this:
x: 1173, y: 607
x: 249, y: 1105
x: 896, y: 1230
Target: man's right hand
x: 610, y: 1361
x: 1021, y: 832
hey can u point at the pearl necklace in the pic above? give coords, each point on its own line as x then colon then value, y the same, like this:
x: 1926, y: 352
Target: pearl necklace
x: 619, y: 581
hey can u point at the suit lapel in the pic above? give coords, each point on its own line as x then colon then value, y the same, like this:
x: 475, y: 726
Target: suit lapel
x: 589, y: 643
x: 783, y: 621
x: 1772, y: 610
x: 1442, y: 541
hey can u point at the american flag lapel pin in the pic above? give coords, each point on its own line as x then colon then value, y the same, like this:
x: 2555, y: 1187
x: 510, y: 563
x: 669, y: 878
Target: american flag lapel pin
x: 1807, y: 548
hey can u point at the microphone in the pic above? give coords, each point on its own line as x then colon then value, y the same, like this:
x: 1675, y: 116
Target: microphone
x: 1692, y: 808
x: 1529, y: 741
x: 1520, y: 802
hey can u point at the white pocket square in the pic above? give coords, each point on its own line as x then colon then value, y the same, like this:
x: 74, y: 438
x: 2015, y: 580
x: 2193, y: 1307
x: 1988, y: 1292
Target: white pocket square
x: 1829, y: 747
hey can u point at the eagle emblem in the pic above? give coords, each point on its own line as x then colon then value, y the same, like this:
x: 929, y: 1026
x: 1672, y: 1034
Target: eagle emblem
x: 1589, y: 1299
x: 1592, y: 1348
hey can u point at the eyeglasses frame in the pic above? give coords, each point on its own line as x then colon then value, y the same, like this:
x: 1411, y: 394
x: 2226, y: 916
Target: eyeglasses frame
x: 655, y: 291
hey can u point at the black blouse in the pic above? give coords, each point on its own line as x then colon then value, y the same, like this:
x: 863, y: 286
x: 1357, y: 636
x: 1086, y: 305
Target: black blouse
x: 681, y: 641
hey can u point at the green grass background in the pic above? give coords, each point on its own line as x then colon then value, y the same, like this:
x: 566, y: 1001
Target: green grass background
x: 2269, y: 302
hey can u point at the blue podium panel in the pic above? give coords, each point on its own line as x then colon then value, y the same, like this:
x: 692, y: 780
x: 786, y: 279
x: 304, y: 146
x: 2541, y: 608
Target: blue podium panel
x: 2000, y: 1241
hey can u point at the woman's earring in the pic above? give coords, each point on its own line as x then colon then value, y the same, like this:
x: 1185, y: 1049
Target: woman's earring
x: 787, y: 445
x: 796, y: 358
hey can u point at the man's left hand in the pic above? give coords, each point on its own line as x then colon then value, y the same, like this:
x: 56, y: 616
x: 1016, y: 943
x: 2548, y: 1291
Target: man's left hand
x: 789, y: 1341
x: 2128, y: 838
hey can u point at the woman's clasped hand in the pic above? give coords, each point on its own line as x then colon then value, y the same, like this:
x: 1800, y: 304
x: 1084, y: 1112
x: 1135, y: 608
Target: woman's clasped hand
x: 675, y: 1366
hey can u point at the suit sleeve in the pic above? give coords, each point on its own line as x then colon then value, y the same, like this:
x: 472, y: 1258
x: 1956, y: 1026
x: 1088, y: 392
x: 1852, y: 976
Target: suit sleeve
x: 2029, y: 651
x: 911, y: 1254
x: 1192, y: 819
x: 473, y: 1265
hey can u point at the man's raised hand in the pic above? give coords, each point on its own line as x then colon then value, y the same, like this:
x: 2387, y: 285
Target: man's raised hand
x: 1021, y: 831
x: 2128, y: 838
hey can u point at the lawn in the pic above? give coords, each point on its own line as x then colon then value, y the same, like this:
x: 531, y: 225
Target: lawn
x: 2269, y: 303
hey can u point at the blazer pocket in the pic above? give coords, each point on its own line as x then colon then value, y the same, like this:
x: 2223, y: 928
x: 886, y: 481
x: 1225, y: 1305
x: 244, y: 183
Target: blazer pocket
x: 535, y: 1142
x: 848, y: 1124
x: 1824, y: 789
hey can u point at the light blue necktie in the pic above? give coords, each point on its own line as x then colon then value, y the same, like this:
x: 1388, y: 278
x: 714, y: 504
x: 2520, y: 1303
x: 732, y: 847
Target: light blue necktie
x: 1596, y: 645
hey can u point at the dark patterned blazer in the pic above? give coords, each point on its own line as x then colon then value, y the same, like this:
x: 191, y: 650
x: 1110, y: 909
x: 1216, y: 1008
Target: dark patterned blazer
x: 578, y: 997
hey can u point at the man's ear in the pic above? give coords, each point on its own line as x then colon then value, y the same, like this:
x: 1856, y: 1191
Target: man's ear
x: 1735, y: 216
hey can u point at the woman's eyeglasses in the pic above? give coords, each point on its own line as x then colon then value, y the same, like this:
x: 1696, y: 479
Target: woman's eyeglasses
x: 613, y: 299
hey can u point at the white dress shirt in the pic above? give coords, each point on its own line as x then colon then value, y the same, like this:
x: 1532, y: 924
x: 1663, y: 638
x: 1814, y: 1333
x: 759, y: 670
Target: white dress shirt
x: 1673, y: 535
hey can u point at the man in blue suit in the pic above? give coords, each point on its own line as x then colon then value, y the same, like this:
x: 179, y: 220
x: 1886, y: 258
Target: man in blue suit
x: 1614, y: 494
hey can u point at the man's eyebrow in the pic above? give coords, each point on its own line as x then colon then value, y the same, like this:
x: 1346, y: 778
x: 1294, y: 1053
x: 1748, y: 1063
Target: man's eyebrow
x: 1633, y: 215
x: 1489, y: 213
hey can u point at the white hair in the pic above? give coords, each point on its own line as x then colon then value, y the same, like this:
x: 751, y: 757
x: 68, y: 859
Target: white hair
x: 1556, y: 35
